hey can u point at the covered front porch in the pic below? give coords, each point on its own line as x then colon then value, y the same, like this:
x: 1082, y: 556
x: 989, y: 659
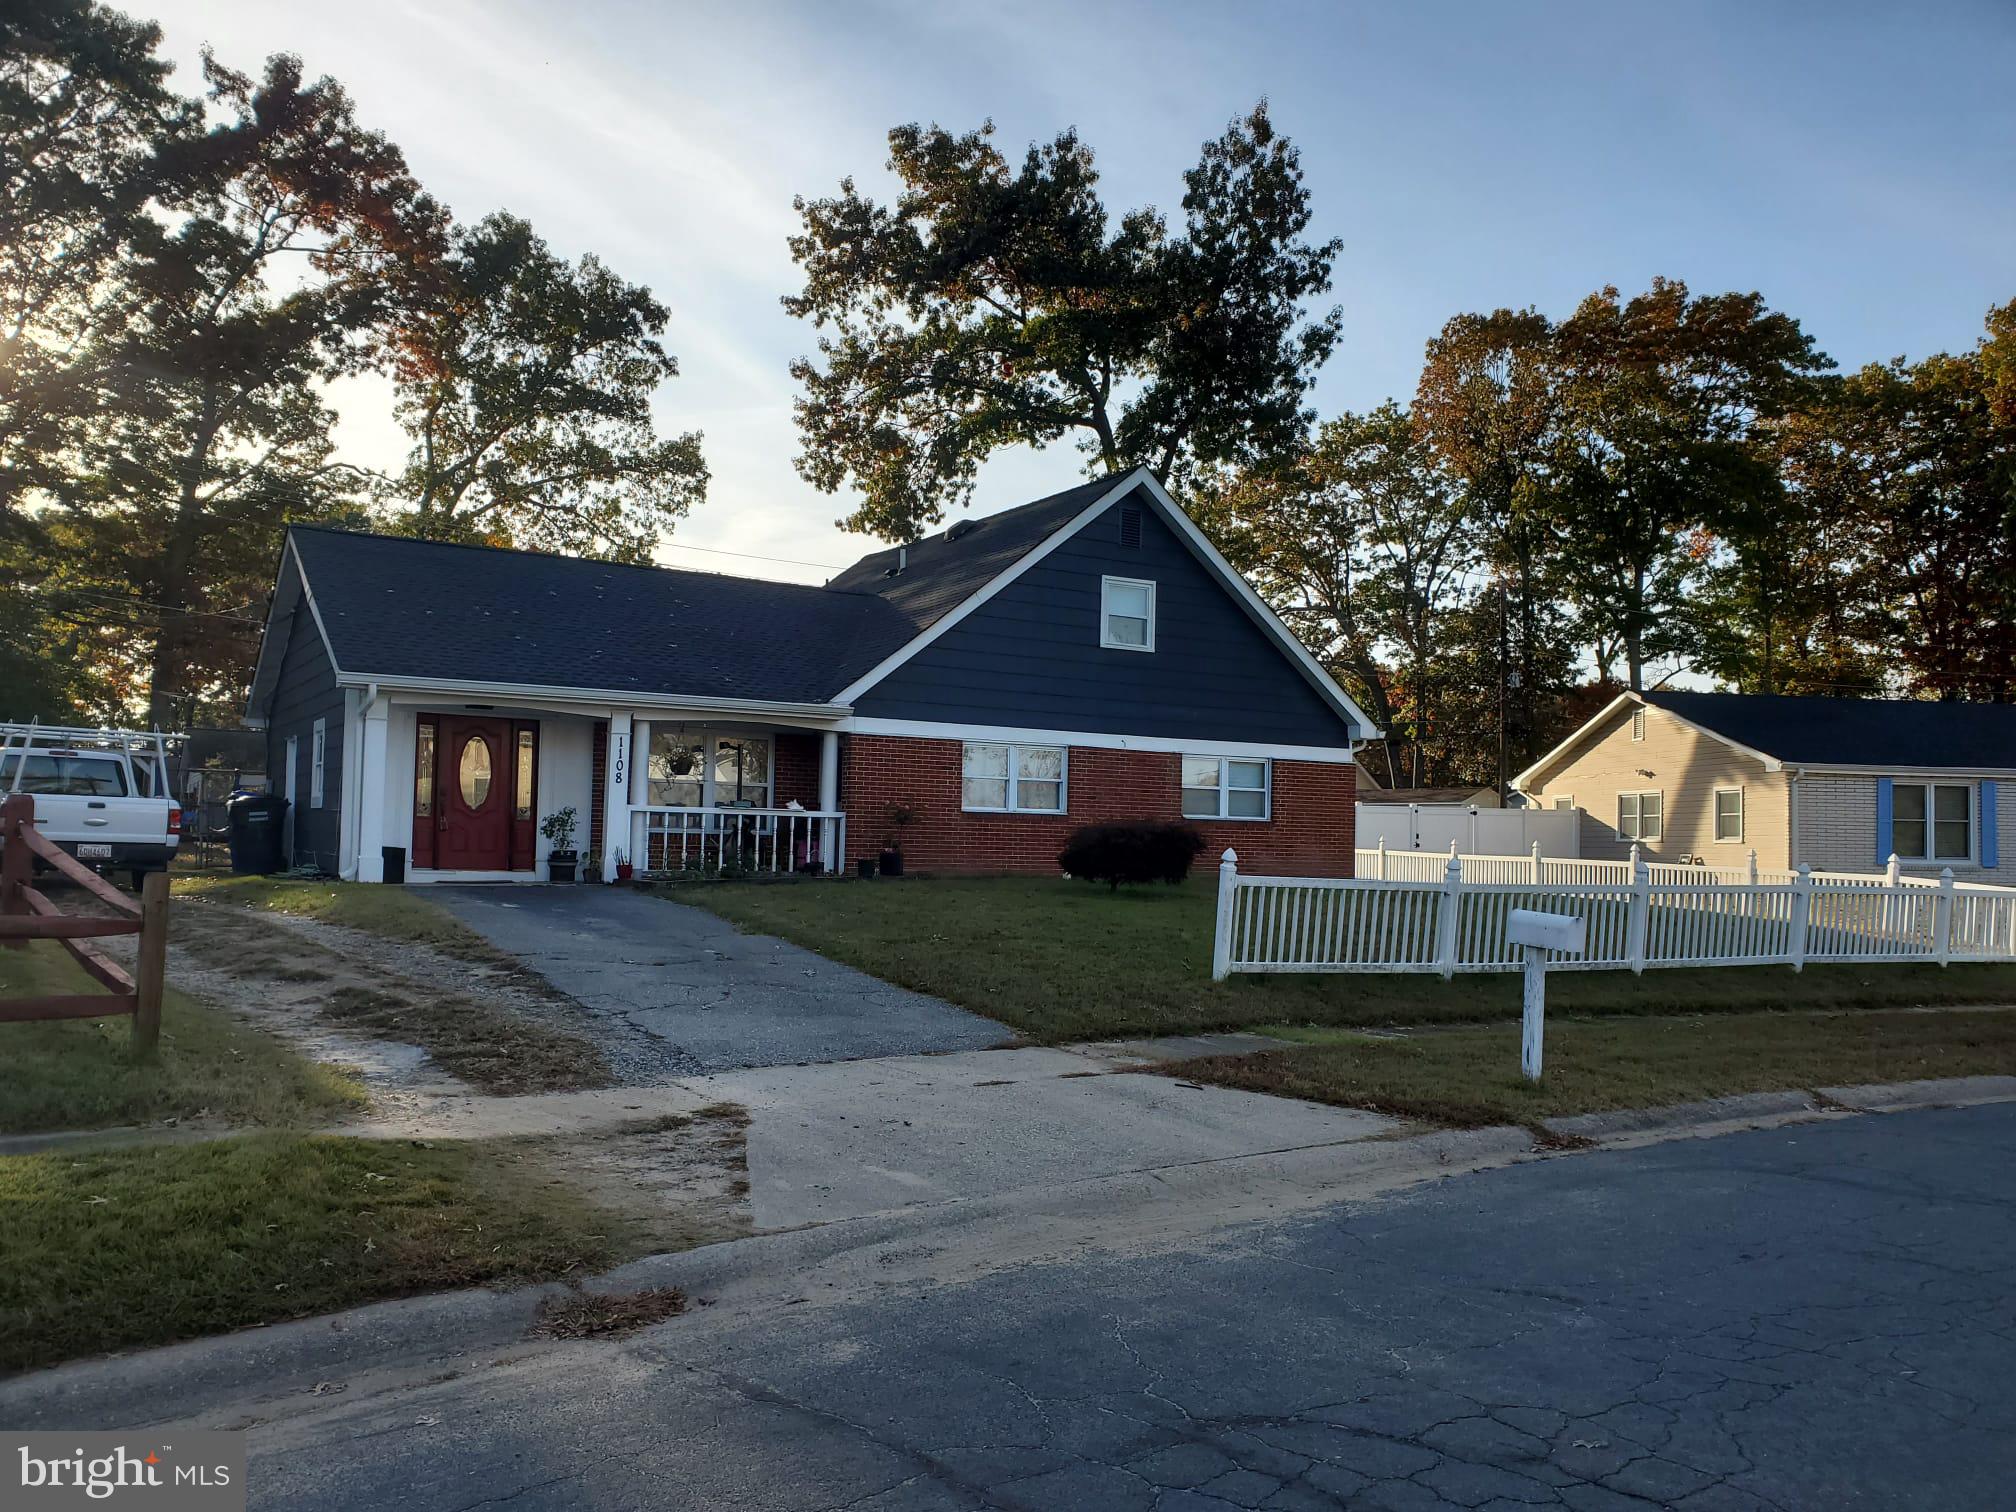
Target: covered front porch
x: 456, y: 789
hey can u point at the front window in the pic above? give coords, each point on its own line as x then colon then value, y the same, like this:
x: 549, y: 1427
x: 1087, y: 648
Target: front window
x: 1564, y: 803
x: 708, y: 771
x: 1932, y: 821
x: 1225, y: 787
x: 1728, y: 813
x: 1127, y: 614
x: 742, y: 773
x: 1641, y: 816
x: 1012, y: 778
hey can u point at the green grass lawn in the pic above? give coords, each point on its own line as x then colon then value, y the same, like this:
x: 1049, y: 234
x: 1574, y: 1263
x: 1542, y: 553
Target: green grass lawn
x: 394, y: 913
x: 1469, y: 1077
x: 1065, y: 960
x: 80, y: 1073
x: 115, y: 1249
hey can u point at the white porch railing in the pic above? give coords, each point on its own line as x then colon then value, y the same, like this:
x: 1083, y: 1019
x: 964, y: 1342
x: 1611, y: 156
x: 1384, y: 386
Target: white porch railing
x: 1637, y: 920
x: 671, y: 840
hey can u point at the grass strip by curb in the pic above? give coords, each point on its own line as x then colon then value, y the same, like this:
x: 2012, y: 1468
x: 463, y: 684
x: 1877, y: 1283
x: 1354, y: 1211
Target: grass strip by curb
x: 143, y: 1245
x: 1469, y: 1077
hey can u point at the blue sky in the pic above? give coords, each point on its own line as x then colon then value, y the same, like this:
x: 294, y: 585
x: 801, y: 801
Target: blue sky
x: 1856, y: 163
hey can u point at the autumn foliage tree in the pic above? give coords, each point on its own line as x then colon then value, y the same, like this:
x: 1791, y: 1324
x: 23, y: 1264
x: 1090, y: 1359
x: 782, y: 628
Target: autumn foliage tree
x: 994, y: 304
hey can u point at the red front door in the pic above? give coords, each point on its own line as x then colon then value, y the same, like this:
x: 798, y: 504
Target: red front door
x: 473, y: 831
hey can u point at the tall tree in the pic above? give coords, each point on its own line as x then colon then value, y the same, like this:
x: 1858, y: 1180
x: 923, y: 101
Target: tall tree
x: 88, y: 128
x: 1363, y: 544
x: 526, y: 384
x: 1917, y: 461
x: 268, y: 279
x: 1661, y: 402
x: 1486, y: 404
x: 989, y: 307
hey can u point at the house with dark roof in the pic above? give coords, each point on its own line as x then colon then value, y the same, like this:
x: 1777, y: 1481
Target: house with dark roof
x: 968, y: 699
x: 1839, y: 784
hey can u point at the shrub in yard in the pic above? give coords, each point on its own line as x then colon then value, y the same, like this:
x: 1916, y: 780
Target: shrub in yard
x: 1141, y: 850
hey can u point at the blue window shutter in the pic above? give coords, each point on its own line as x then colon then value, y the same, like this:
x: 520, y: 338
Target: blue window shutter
x: 1883, y: 842
x: 1990, y: 841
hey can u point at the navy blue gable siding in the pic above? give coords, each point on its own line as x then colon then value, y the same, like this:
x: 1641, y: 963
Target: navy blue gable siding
x: 304, y: 692
x: 1030, y: 657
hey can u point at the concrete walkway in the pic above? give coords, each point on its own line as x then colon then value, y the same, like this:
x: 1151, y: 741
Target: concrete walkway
x: 681, y: 992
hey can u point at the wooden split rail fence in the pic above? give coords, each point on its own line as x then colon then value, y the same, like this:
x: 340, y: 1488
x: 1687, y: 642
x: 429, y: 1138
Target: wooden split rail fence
x: 26, y: 913
x: 1639, y: 920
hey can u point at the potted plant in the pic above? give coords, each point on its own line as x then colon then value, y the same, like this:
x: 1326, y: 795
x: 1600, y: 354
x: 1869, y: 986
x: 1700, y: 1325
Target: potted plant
x: 591, y: 867
x: 624, y: 870
x: 558, y: 828
x: 899, y: 817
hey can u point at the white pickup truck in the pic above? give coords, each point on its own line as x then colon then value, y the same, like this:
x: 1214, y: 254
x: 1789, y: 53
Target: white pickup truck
x: 101, y: 794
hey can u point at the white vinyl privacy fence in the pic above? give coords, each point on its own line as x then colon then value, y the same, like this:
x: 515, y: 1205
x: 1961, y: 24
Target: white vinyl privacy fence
x: 1634, y: 920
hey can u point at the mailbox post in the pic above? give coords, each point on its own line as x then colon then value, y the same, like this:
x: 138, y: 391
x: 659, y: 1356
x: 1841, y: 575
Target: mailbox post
x: 1539, y: 933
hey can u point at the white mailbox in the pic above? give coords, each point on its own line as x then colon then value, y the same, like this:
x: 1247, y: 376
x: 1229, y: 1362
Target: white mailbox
x: 1539, y: 933
x: 1550, y: 931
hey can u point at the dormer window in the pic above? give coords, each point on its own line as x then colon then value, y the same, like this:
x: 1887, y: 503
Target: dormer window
x: 1127, y: 614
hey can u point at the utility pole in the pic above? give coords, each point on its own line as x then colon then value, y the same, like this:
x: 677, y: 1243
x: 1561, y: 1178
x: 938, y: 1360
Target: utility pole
x: 1504, y: 658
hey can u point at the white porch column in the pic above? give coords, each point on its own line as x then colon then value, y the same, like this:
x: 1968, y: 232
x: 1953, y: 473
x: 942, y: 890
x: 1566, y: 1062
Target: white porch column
x: 371, y: 793
x: 829, y: 800
x: 616, y: 793
x: 640, y: 765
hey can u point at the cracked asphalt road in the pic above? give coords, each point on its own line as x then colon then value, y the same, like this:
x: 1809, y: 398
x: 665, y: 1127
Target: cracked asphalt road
x: 677, y: 991
x: 1818, y: 1316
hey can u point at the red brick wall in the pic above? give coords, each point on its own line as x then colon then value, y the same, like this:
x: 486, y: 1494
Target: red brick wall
x: 797, y: 774
x: 1311, y: 832
x: 598, y: 790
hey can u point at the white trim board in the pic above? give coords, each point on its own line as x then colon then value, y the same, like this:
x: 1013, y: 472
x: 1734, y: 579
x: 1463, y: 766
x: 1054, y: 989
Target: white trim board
x: 601, y: 701
x: 1200, y: 547
x: 1097, y: 740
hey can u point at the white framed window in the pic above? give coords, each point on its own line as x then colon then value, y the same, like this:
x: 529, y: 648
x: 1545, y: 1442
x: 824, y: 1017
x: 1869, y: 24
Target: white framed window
x: 1017, y: 779
x: 1564, y: 802
x: 1126, y: 614
x: 318, y: 754
x: 1227, y: 787
x: 1932, y: 821
x: 1641, y: 816
x: 1638, y: 723
x: 708, y: 771
x: 1729, y: 814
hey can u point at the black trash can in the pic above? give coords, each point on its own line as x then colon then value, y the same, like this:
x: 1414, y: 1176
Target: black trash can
x: 254, y: 820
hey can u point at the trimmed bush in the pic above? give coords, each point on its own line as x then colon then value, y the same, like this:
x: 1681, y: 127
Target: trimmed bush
x: 1141, y: 850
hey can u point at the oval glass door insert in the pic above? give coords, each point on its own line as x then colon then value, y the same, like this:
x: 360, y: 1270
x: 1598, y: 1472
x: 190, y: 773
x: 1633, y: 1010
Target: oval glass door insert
x: 475, y: 771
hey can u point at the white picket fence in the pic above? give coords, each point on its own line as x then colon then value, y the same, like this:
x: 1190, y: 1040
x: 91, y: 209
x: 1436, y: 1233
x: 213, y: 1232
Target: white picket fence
x: 1639, y: 916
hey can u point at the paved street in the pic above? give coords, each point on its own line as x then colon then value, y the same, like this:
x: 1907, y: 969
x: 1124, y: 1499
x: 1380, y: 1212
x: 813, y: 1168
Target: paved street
x: 678, y: 991
x: 1816, y: 1316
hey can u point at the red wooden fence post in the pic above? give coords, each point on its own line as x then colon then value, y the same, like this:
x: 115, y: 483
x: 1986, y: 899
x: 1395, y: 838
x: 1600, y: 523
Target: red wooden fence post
x: 152, y: 972
x: 17, y: 867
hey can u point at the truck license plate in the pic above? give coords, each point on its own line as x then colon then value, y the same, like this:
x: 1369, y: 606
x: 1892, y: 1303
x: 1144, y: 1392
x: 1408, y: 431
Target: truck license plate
x: 94, y: 852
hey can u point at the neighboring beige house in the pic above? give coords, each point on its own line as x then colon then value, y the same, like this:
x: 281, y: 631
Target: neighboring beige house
x: 1839, y: 784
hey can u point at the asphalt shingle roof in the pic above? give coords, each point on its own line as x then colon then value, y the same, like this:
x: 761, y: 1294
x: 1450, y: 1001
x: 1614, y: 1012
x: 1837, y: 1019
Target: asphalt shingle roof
x: 398, y: 607
x: 946, y: 569
x: 1855, y: 731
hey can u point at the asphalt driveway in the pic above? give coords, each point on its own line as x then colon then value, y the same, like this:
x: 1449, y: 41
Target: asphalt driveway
x: 1815, y: 1317
x: 678, y: 991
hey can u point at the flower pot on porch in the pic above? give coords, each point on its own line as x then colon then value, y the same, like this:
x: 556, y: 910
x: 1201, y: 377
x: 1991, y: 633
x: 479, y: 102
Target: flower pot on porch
x: 865, y: 869
x: 891, y: 863
x: 560, y: 865
x: 625, y: 871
